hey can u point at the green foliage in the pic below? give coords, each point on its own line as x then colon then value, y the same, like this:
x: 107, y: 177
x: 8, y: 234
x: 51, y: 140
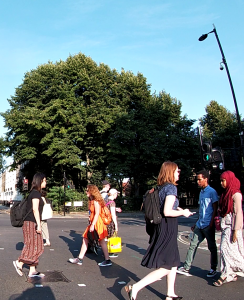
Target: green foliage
x: 2, y: 153
x: 220, y: 126
x: 92, y: 122
x: 149, y: 133
x: 56, y: 194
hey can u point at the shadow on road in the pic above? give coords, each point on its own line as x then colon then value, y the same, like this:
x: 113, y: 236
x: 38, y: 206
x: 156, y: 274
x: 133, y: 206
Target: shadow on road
x: 35, y: 293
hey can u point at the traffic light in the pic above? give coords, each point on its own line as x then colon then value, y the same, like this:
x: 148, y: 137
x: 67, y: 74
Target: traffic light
x: 207, y: 152
x: 217, y: 158
x: 69, y: 185
x: 25, y: 184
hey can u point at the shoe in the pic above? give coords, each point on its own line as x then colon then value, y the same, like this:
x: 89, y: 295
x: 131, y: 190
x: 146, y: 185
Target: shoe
x: 174, y: 298
x: 105, y: 263
x: 38, y: 274
x: 211, y: 273
x: 128, y: 289
x: 113, y: 255
x: 182, y: 270
x: 18, y: 269
x: 46, y: 244
x: 219, y: 282
x: 76, y: 260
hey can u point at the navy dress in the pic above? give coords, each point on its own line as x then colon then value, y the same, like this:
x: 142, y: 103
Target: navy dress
x: 163, y: 250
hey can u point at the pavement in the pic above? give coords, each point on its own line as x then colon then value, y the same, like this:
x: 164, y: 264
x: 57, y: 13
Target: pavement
x: 83, y: 214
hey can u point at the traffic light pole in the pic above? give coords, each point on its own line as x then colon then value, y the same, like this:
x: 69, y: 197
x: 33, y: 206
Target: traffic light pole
x: 202, y: 38
x: 233, y: 94
x: 64, y: 191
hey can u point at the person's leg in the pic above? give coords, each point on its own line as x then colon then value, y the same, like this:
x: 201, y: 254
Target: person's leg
x: 45, y: 232
x: 33, y: 246
x: 104, y: 248
x: 197, y: 238
x: 171, y: 282
x: 148, y: 279
x: 83, y: 249
x: 210, y: 237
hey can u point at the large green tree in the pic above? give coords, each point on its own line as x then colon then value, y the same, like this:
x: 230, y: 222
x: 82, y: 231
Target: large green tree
x: 220, y: 126
x: 90, y: 121
x: 148, y: 133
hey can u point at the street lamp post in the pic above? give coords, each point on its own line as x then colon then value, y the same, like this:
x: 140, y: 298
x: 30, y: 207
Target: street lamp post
x: 202, y: 38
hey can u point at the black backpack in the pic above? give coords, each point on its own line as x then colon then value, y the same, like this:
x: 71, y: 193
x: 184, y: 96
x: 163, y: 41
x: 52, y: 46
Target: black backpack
x: 18, y: 213
x: 151, y: 204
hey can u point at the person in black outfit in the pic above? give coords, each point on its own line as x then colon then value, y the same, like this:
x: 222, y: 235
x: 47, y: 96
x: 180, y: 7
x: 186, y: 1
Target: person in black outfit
x: 162, y: 253
x: 33, y: 242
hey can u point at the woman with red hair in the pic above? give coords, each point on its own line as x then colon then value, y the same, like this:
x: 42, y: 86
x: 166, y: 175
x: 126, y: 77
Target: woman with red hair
x: 231, y: 247
x: 163, y: 253
x: 96, y: 227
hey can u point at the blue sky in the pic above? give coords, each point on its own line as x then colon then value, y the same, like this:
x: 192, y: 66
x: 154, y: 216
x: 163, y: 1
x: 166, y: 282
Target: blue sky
x: 157, y: 38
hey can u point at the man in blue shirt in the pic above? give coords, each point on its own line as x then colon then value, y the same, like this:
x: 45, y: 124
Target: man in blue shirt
x: 204, y: 228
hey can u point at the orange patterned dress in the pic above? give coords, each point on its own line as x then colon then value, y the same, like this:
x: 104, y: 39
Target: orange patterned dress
x: 99, y: 226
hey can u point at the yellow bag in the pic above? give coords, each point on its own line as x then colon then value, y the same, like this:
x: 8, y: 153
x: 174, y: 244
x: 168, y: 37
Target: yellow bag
x: 114, y: 244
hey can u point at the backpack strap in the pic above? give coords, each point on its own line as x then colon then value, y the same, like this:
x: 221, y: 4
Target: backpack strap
x: 109, y: 202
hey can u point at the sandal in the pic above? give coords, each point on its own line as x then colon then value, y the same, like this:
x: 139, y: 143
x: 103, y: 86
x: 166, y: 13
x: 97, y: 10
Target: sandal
x: 219, y: 282
x: 129, y: 291
x: 175, y: 297
x: 18, y: 269
x: 46, y: 244
x: 38, y: 274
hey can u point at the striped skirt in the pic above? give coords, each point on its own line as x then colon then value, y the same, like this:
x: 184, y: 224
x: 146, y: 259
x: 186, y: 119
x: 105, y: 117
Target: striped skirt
x: 33, y: 244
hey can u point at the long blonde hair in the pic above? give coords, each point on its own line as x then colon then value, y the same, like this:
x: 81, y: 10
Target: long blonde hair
x: 95, y: 194
x: 166, y: 173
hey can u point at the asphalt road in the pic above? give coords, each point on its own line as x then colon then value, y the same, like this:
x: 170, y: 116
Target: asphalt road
x: 66, y: 281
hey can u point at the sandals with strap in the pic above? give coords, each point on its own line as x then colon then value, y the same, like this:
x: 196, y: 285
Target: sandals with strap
x: 18, y: 269
x: 38, y: 274
x: 219, y: 282
x: 129, y: 291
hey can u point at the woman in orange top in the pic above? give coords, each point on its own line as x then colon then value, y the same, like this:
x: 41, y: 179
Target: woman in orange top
x: 96, y: 202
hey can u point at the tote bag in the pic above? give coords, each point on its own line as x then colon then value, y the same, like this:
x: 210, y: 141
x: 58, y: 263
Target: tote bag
x: 47, y: 212
x: 114, y: 244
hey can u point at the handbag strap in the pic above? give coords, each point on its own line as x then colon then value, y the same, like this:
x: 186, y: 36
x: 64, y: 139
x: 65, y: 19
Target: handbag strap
x: 44, y: 200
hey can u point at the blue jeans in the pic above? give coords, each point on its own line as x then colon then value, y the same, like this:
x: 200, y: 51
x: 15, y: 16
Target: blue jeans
x: 198, y: 236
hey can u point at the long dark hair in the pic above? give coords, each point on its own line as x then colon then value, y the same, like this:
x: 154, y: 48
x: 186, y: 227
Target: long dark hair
x: 37, y: 181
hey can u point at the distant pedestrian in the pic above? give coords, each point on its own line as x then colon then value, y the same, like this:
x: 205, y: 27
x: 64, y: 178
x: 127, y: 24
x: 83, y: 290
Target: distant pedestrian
x: 205, y: 227
x: 96, y: 227
x: 231, y: 247
x: 44, y: 226
x: 105, y: 193
x: 105, y: 190
x: 33, y: 243
x: 113, y: 226
x: 162, y: 253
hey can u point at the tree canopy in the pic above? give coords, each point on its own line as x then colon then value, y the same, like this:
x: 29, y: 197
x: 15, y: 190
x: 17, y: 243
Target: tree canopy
x: 91, y: 122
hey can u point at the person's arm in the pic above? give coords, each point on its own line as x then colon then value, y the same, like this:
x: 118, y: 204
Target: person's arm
x: 215, y: 209
x: 237, y: 198
x: 170, y: 212
x: 97, y: 212
x: 114, y: 217
x: 35, y: 207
